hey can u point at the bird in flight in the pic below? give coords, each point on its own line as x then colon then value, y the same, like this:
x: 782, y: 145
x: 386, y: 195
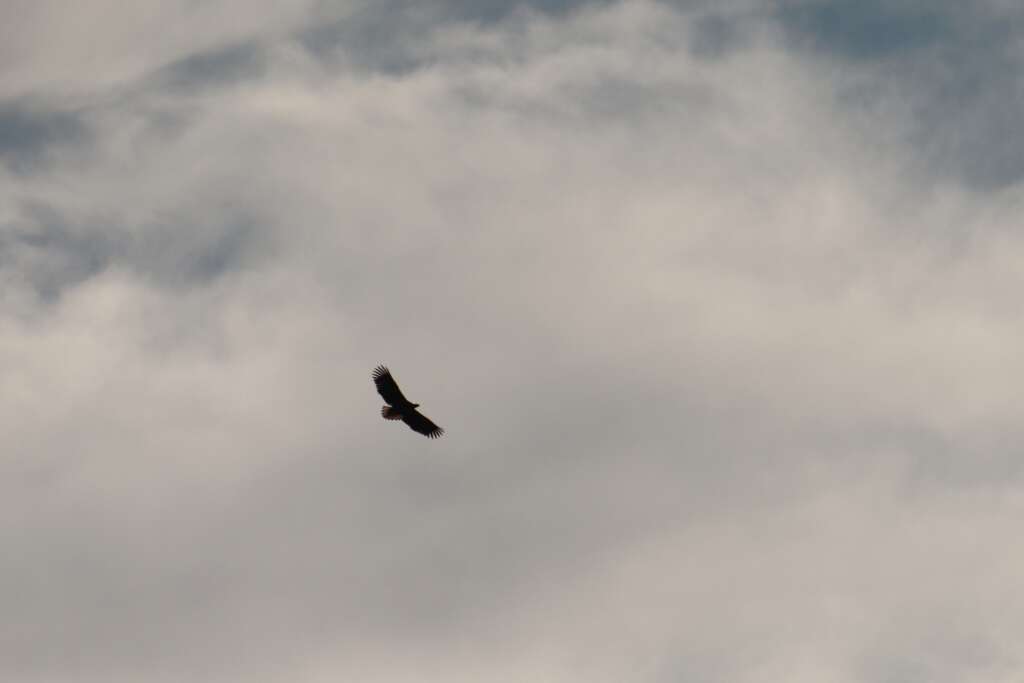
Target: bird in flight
x: 401, y: 408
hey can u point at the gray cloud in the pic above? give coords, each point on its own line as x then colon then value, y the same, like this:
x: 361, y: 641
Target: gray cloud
x: 43, y: 252
x: 870, y: 30
x: 49, y: 253
x: 729, y: 388
x: 949, y: 68
x: 30, y: 136
x: 218, y: 67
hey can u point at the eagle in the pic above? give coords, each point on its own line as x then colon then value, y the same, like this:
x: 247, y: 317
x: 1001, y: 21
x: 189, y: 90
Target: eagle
x: 401, y: 408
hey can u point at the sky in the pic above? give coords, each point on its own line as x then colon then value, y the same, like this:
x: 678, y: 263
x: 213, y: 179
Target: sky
x: 718, y: 304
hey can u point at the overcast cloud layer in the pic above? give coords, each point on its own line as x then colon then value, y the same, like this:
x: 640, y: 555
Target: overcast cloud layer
x: 718, y: 303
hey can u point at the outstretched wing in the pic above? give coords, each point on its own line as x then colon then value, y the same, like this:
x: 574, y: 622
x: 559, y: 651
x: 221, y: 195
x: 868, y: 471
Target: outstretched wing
x: 419, y: 422
x: 387, y: 387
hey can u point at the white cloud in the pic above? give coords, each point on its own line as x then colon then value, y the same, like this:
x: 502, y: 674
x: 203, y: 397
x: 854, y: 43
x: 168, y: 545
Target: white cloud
x: 729, y: 392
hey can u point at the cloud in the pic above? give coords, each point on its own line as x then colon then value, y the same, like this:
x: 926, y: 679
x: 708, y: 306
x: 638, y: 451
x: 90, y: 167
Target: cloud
x: 728, y: 385
x: 869, y: 30
x: 220, y: 66
x: 30, y: 137
x: 948, y: 70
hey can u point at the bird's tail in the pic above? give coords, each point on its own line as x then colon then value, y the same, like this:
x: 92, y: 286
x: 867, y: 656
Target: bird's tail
x: 389, y: 413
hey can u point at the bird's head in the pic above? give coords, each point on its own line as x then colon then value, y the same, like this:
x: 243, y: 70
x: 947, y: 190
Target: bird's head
x: 415, y: 405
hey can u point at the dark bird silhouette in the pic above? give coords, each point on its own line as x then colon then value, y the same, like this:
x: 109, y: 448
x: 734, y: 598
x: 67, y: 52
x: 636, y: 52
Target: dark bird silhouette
x: 401, y: 408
